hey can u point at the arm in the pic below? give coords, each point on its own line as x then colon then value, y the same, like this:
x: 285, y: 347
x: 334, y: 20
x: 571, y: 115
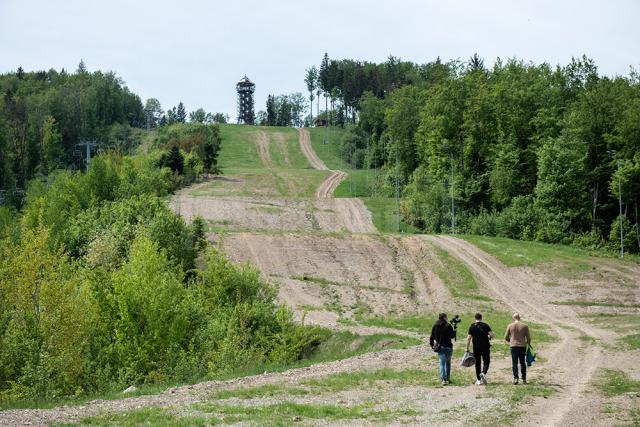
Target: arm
x: 528, y: 336
x: 468, y: 341
x: 491, y: 335
x: 507, y: 335
x: 431, y: 336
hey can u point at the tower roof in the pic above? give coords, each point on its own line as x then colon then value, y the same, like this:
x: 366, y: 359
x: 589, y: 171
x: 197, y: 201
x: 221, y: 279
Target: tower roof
x: 245, y: 82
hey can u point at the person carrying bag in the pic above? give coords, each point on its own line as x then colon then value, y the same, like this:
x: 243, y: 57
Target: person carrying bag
x: 440, y: 341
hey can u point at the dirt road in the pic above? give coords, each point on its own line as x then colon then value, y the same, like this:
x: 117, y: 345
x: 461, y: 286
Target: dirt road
x: 571, y: 366
x: 330, y: 184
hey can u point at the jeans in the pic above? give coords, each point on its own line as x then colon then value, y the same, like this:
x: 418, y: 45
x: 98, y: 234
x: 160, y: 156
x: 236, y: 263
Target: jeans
x: 445, y: 362
x: 518, y: 354
x: 482, y: 356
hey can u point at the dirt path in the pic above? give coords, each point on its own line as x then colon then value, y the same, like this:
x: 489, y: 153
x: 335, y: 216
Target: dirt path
x: 571, y: 365
x: 282, y: 148
x: 329, y: 185
x: 309, y: 152
x: 262, y: 147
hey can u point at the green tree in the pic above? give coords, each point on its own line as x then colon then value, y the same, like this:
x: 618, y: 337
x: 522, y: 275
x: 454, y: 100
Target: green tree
x: 311, y: 80
x: 52, y: 147
x: 153, y: 112
x: 198, y: 116
x: 181, y: 113
x: 562, y: 176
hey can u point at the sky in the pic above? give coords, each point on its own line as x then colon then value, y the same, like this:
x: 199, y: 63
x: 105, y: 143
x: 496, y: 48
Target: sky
x: 195, y: 51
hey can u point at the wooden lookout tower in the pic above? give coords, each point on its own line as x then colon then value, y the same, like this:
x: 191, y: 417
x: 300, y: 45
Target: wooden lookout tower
x: 245, y: 89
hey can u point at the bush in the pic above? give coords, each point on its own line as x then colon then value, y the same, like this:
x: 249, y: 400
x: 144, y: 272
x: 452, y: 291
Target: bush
x: 591, y: 240
x: 629, y: 232
x: 520, y: 220
x: 484, y: 224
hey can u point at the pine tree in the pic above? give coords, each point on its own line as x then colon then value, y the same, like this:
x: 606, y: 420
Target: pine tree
x: 271, y: 111
x: 82, y: 68
x: 181, y: 113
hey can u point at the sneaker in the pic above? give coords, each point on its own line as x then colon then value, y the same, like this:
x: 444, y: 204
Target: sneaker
x: 447, y: 381
x: 483, y: 378
x: 478, y: 382
x: 444, y: 382
x: 515, y: 381
x: 524, y: 381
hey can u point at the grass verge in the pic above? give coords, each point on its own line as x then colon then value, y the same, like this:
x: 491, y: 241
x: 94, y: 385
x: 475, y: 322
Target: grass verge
x: 384, y: 215
x: 457, y: 277
x: 515, y: 253
x: 632, y: 341
x: 614, y: 382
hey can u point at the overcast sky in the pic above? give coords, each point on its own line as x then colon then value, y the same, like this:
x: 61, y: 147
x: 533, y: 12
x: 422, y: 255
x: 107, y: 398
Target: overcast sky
x: 195, y: 51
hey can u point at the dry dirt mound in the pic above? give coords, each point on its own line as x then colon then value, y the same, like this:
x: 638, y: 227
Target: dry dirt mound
x: 333, y: 276
x: 273, y: 214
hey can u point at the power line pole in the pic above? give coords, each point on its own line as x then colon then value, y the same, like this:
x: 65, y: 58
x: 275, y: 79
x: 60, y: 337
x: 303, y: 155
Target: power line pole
x: 453, y: 205
x: 620, y: 205
x: 88, y: 144
x: 397, y: 188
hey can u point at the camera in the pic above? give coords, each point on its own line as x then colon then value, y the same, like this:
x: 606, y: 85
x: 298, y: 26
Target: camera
x: 454, y: 322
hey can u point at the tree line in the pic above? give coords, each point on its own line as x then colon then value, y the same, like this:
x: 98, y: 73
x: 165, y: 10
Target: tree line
x: 527, y: 151
x: 284, y: 110
x: 44, y: 115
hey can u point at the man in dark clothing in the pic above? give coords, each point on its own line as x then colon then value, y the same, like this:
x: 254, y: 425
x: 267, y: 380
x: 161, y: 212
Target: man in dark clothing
x: 480, y: 333
x: 442, y: 333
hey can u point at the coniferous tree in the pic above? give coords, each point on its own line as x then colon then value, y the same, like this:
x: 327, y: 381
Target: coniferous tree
x: 181, y: 113
x: 272, y: 114
x: 310, y: 80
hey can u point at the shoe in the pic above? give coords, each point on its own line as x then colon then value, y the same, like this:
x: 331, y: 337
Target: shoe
x: 478, y: 382
x: 483, y: 378
x: 524, y: 381
x: 515, y: 381
x: 447, y: 381
x: 444, y: 382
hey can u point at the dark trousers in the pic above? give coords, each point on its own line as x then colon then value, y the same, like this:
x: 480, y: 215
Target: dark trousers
x: 482, y: 355
x: 518, y: 354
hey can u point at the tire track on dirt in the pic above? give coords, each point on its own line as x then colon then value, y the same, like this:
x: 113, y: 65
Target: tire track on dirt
x: 572, y: 368
x: 262, y: 147
x: 329, y: 185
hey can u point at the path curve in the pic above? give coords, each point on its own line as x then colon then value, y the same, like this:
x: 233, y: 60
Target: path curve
x: 329, y: 185
x: 573, y: 366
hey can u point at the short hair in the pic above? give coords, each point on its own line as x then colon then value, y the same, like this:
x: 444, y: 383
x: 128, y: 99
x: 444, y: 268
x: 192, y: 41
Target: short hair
x: 442, y: 315
x: 516, y: 316
x: 478, y: 316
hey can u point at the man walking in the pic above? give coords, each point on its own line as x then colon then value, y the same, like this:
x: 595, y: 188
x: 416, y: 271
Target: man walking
x: 480, y: 333
x: 518, y: 337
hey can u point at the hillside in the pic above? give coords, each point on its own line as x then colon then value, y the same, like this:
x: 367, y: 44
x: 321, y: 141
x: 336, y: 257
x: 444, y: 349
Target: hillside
x: 336, y: 265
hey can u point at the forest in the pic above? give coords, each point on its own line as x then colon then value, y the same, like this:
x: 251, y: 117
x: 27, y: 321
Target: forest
x: 520, y: 150
x: 102, y: 286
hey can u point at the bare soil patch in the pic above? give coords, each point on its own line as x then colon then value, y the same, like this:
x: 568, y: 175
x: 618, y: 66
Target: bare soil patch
x: 261, y: 213
x: 337, y: 276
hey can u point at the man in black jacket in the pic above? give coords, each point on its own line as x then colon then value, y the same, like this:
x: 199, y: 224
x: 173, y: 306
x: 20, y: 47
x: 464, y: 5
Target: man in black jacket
x: 480, y: 333
x: 442, y: 333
